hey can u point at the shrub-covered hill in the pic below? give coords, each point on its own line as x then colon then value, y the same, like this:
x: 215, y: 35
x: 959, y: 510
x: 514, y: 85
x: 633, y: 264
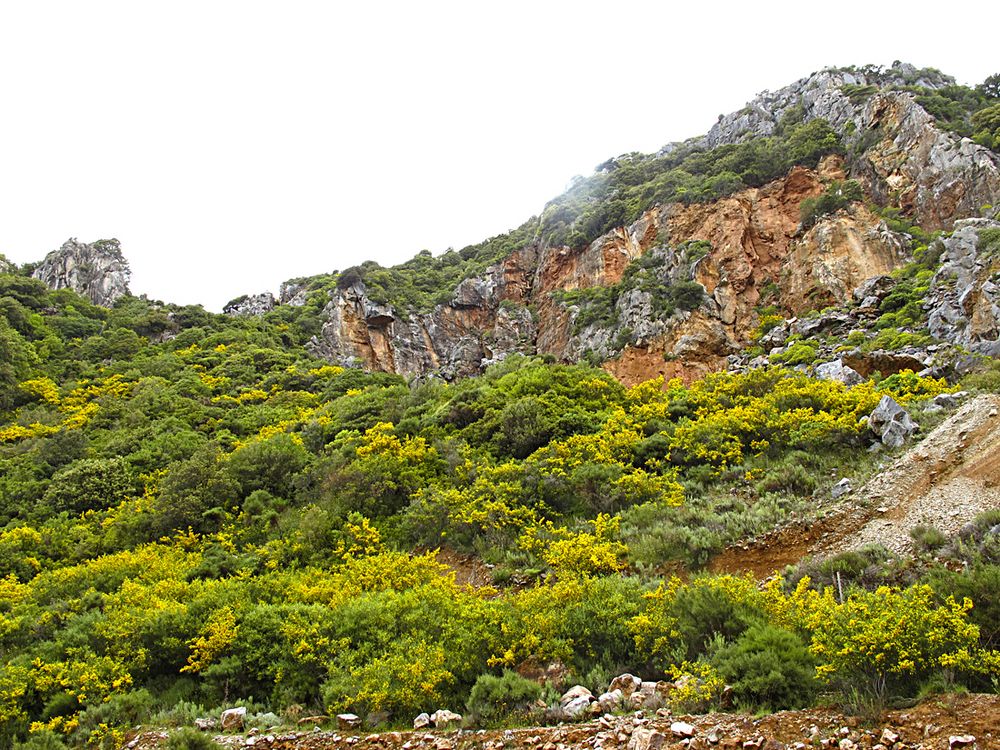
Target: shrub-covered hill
x: 212, y: 519
x: 197, y: 511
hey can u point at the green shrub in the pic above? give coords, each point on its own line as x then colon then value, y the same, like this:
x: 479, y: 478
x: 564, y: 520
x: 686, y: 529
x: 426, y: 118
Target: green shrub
x: 43, y: 740
x: 769, y: 668
x: 927, y: 538
x: 798, y: 353
x: 704, y: 613
x: 188, y: 738
x: 494, y: 699
x: 794, y: 478
x: 837, y: 196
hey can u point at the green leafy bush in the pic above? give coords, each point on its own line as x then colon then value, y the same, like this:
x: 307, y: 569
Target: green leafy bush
x: 495, y: 699
x: 769, y: 668
x: 188, y: 738
x: 837, y: 196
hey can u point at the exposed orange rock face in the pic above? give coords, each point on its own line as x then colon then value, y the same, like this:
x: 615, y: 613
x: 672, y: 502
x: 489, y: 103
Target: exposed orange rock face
x: 756, y: 248
x: 751, y: 233
x: 694, y: 349
x: 835, y: 256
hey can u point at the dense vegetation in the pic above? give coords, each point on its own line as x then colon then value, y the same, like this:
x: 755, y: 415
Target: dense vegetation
x: 194, y: 512
x: 207, y: 517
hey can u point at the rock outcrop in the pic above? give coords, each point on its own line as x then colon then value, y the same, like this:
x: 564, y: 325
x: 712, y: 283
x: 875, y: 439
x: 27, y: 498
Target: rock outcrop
x: 964, y: 299
x: 902, y: 156
x: 486, y: 320
x: 97, y: 271
x: 747, y: 251
x: 250, y: 304
x: 741, y: 250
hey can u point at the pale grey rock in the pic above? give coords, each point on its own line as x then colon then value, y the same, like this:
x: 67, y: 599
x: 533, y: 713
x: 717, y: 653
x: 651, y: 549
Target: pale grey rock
x: 944, y: 176
x: 891, y: 423
x: 575, y: 693
x: 250, y: 305
x: 776, y: 337
x: 292, y: 293
x: 443, y: 718
x: 577, y: 706
x: 841, y: 488
x: 348, y: 721
x: 963, y: 304
x: 232, y: 719
x: 682, y: 729
x: 626, y: 683
x: 205, y: 725
x: 961, y: 740
x: 480, y: 326
x: 945, y: 400
x: 97, y: 271
x: 829, y: 322
x: 644, y: 738
x: 610, y: 700
x: 876, y: 288
x: 422, y: 721
x: 838, y: 371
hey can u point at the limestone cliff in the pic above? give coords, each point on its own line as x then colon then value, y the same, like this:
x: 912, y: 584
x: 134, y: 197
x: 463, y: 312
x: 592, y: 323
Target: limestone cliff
x: 752, y: 246
x: 899, y: 152
x: 964, y: 301
x: 746, y: 251
x: 97, y: 270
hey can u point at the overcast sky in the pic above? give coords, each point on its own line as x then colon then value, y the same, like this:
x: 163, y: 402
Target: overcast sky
x: 233, y: 145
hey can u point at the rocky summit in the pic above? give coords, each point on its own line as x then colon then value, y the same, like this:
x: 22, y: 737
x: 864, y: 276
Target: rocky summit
x: 97, y: 271
x: 746, y: 250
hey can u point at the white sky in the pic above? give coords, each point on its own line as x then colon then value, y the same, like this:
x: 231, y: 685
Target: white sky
x: 233, y: 145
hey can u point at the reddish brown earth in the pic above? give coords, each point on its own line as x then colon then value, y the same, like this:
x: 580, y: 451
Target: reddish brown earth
x: 929, y: 725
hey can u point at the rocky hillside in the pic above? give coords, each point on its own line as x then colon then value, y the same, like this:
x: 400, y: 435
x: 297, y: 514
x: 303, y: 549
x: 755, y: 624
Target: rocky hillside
x: 614, y: 299
x: 214, y: 534
x: 97, y: 271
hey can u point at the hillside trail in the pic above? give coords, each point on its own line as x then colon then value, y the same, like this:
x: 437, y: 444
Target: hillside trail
x: 944, y: 481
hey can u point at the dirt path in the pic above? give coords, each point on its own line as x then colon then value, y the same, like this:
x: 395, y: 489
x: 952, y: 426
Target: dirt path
x: 944, y: 481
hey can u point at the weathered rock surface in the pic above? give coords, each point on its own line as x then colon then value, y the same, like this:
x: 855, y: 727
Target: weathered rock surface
x: 934, y: 175
x: 251, y: 304
x: 891, y: 423
x: 348, y: 721
x: 964, y: 299
x: 758, y: 255
x: 839, y: 253
x: 443, y: 718
x: 232, y: 719
x: 97, y: 271
x: 838, y: 371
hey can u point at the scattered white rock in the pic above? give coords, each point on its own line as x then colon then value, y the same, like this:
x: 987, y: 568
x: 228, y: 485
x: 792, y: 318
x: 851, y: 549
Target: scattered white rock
x: 232, y: 719
x: 626, y: 683
x: 646, y: 739
x: 348, y: 721
x: 443, y: 718
x: 422, y: 721
x: 841, y: 488
x: 682, y: 729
